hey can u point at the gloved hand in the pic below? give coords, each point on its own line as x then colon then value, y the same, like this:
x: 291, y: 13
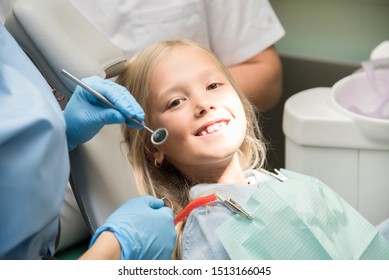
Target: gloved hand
x: 143, y: 227
x: 85, y: 115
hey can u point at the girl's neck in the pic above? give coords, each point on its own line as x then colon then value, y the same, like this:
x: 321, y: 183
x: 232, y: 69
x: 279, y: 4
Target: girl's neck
x: 230, y: 173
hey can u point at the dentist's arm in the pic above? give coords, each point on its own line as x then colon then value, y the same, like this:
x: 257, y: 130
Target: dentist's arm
x: 141, y: 229
x: 106, y: 247
x: 260, y: 78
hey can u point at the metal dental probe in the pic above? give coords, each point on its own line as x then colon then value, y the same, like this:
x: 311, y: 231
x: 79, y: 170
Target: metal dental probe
x: 158, y: 136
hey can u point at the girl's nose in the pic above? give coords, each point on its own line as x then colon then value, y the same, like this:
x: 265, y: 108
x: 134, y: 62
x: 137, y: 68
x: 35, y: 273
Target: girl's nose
x: 203, y: 106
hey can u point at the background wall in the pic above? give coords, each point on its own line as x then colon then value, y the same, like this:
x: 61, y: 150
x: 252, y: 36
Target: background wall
x: 325, y: 41
x: 339, y: 30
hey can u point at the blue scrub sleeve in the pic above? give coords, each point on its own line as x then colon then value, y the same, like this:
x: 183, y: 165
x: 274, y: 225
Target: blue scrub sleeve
x: 34, y: 162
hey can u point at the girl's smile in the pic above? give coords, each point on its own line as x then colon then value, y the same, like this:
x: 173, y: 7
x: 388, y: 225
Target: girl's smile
x: 212, y: 127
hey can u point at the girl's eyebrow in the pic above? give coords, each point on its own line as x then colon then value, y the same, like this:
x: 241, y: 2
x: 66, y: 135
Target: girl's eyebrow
x: 202, y: 75
x: 174, y: 88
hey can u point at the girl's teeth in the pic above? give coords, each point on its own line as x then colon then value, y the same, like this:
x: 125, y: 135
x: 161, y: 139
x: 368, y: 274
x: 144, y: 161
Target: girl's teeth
x: 212, y: 128
x: 217, y: 126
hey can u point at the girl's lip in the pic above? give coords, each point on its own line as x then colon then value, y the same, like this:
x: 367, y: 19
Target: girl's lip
x: 206, y: 125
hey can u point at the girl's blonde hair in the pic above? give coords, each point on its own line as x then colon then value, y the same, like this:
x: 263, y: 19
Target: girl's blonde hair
x: 166, y: 181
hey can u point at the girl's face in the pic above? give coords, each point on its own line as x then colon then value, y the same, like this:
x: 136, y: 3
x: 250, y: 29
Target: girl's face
x: 191, y: 97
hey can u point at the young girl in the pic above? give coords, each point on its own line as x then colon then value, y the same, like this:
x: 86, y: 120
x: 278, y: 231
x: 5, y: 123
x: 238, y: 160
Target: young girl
x: 215, y: 148
x: 213, y: 137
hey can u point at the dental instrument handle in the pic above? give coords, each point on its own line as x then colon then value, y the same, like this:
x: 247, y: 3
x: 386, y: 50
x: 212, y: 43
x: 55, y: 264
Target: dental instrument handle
x: 100, y: 97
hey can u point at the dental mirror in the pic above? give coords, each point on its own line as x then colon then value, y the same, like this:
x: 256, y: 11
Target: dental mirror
x: 158, y: 136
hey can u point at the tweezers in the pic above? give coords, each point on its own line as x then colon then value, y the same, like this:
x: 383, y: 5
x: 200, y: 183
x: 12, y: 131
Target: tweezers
x: 234, y: 206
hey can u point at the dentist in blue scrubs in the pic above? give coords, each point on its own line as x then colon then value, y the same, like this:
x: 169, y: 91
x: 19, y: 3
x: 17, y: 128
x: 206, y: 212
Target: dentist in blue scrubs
x: 35, y: 139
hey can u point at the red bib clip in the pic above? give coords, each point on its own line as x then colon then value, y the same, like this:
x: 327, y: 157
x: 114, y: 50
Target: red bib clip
x: 201, y: 201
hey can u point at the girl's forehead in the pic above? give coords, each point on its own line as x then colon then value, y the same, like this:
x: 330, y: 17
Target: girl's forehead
x: 187, y: 53
x: 181, y: 61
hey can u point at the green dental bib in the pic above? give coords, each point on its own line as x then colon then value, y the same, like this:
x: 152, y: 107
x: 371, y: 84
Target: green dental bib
x: 300, y: 219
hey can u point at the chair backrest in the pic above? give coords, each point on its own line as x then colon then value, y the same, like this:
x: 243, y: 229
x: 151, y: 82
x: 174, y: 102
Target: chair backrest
x: 56, y: 36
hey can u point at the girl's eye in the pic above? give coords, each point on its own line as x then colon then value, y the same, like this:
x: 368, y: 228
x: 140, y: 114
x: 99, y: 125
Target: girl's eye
x: 175, y: 103
x: 213, y: 86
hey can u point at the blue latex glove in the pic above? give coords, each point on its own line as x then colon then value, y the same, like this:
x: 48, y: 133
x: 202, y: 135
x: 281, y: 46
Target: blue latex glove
x: 144, y: 229
x: 85, y: 115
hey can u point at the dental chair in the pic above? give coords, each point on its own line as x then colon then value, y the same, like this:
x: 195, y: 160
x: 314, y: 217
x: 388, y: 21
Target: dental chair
x: 56, y: 36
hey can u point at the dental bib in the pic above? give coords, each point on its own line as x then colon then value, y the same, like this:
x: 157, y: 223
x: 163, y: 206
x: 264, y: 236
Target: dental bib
x: 300, y: 219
